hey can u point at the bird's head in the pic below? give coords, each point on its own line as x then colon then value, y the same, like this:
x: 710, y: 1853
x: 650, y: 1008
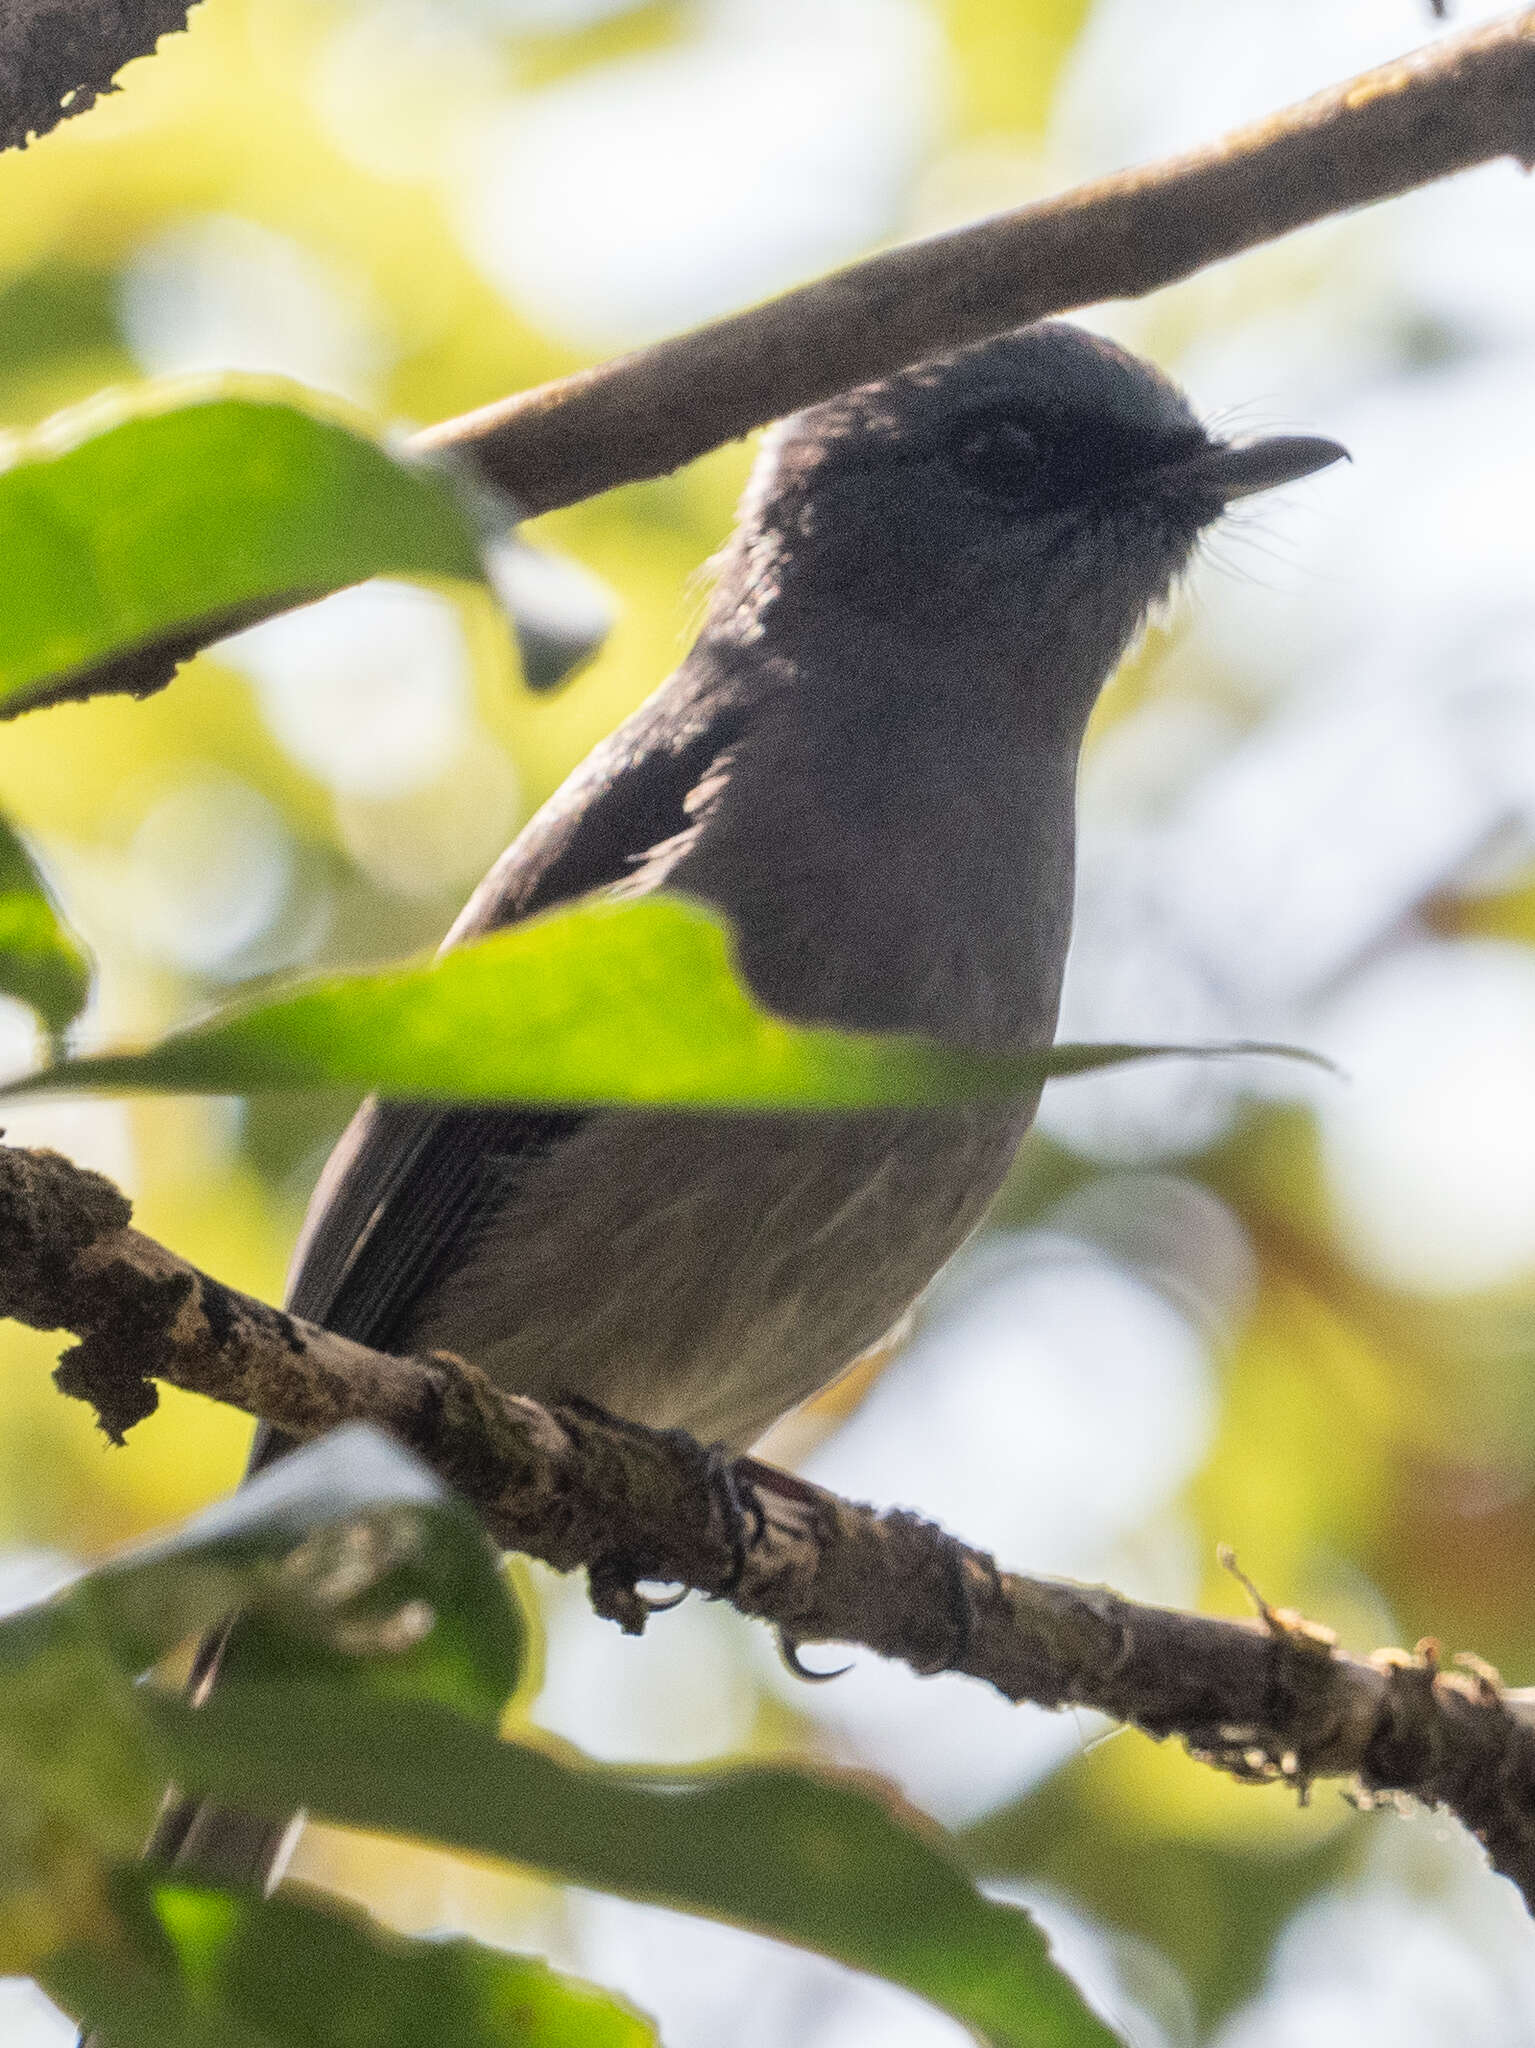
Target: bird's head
x: 1036, y: 494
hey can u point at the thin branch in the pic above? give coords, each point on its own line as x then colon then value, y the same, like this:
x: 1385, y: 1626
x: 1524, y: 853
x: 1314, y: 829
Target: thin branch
x: 1459, y: 102
x: 1270, y: 1699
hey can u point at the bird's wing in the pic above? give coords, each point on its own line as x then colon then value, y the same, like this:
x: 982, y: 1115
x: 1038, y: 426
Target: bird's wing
x: 409, y: 1185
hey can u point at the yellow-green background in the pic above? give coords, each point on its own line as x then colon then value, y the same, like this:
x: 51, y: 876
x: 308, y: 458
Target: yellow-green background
x: 1370, y: 1452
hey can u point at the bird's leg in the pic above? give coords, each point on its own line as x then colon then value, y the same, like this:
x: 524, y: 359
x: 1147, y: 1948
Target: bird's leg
x: 614, y: 1581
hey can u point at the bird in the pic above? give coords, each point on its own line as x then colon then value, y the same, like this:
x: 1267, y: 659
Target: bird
x: 866, y: 764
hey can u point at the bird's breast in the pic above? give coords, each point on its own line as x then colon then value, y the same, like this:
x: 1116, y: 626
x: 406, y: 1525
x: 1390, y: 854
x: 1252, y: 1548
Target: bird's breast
x: 933, y: 897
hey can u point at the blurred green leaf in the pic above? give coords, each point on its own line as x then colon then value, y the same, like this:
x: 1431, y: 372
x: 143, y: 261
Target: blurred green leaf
x: 814, y: 1860
x: 139, y: 528
x: 222, y: 1967
x: 325, y: 1547
x: 80, y: 1777
x: 350, y: 1562
x: 353, y: 1566
x: 1007, y: 56
x: 60, y: 311
x: 125, y: 1987
x: 605, y: 1002
x: 1210, y: 1905
x: 41, y: 960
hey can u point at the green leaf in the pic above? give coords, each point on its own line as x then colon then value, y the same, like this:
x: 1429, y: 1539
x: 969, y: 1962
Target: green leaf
x: 224, y: 1967
x: 814, y: 1860
x: 41, y: 960
x: 633, y: 1003
x: 141, y: 527
x: 351, y: 1564
x: 322, y: 1553
x: 80, y: 1777
x: 128, y: 1993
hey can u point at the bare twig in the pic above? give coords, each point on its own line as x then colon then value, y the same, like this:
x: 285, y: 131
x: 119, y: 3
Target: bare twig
x: 1463, y: 101
x: 1270, y: 1699
x: 1457, y: 103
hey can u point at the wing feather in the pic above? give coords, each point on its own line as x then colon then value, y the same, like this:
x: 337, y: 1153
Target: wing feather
x: 410, y: 1186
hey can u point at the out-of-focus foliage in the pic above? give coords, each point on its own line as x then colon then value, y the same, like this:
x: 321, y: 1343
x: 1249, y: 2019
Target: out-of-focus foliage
x: 352, y: 1557
x: 350, y: 1554
x: 352, y: 1564
x: 1214, y: 1306
x: 374, y: 1636
x: 41, y: 960
x: 800, y: 1856
x: 224, y: 1969
x: 133, y: 532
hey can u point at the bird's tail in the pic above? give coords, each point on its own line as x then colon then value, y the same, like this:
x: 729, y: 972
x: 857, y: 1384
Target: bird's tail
x: 198, y: 1839
x: 194, y: 1836
x: 202, y: 1840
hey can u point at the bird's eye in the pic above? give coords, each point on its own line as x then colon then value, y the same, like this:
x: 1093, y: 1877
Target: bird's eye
x: 997, y: 453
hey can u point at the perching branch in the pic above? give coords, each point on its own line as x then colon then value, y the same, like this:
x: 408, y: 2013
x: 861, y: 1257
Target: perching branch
x: 1272, y: 1699
x: 1459, y: 102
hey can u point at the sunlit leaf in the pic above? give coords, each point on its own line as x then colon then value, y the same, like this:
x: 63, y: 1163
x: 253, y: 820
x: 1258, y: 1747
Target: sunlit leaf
x: 41, y: 960
x: 139, y: 528
x: 814, y: 1860
x: 605, y: 1002
x: 226, y: 1967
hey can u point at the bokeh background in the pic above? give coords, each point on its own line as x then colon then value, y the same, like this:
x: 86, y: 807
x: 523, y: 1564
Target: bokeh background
x: 1247, y: 1304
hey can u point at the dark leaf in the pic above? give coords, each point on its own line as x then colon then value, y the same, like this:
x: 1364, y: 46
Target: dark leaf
x: 231, y: 1970
x: 355, y: 1567
x: 815, y: 1860
x: 351, y: 1563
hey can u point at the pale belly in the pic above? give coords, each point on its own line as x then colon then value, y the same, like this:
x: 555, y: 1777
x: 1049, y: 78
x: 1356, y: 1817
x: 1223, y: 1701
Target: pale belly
x: 709, y: 1273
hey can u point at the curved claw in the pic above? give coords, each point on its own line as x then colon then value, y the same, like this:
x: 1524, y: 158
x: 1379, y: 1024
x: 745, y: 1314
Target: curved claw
x: 788, y: 1649
x: 665, y: 1603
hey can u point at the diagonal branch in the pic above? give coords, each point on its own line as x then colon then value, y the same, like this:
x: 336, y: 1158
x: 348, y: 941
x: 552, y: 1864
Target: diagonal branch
x: 1459, y: 102
x: 1271, y: 1699
x: 1463, y: 101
